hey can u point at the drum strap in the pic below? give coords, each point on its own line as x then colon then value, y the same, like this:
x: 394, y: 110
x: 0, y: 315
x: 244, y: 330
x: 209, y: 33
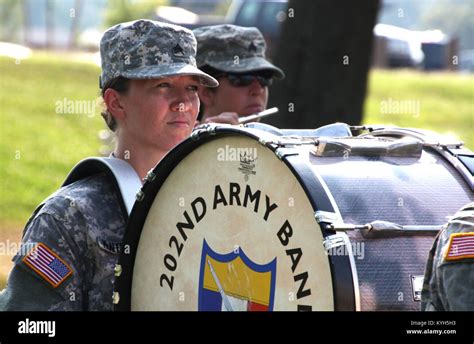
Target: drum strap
x: 124, y: 178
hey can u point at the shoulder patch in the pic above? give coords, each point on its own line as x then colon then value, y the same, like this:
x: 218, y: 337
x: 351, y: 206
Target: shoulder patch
x: 461, y: 246
x: 48, y: 265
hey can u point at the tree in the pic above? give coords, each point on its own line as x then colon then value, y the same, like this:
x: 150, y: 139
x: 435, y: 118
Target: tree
x: 10, y: 20
x: 325, y: 51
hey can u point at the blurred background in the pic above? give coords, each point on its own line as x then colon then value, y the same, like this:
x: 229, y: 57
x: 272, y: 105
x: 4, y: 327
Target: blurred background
x: 391, y: 62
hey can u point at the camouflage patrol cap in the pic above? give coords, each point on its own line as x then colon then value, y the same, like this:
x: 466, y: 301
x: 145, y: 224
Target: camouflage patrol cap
x: 145, y: 49
x: 232, y: 48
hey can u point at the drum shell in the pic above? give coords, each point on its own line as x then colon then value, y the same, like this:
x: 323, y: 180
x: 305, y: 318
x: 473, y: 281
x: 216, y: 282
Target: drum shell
x: 381, y: 280
x: 406, y: 191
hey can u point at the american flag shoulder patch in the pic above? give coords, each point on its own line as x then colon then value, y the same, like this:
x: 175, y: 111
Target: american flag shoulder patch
x: 48, y: 265
x: 461, y: 246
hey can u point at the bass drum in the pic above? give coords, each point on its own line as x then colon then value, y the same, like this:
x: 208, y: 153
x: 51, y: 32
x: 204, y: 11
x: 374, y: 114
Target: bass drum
x: 239, y: 219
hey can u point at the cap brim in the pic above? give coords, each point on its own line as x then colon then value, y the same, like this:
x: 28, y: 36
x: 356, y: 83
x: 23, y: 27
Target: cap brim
x: 250, y: 64
x: 174, y: 69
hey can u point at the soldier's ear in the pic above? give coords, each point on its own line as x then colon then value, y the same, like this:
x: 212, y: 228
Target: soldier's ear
x: 113, y: 101
x: 206, y: 95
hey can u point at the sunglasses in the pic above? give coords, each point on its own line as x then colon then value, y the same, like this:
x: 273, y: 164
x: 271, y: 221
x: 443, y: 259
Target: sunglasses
x: 242, y: 80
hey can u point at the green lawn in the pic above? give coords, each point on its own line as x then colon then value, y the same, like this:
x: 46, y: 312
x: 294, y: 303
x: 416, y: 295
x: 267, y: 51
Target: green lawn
x: 38, y: 146
x: 442, y: 102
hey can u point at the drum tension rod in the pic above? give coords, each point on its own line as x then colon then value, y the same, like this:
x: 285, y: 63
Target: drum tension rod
x: 364, y: 127
x: 288, y: 142
x: 346, y: 226
x: 381, y: 227
x: 445, y: 145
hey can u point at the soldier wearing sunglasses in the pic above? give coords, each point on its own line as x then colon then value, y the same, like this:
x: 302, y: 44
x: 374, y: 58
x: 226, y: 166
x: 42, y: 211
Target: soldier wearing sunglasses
x: 235, y: 56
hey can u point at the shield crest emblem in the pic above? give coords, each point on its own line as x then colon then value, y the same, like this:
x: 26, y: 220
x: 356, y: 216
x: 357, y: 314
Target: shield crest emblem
x: 233, y: 282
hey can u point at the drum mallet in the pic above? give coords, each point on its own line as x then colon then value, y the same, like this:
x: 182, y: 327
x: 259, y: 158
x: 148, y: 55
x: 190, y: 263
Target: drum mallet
x: 255, y: 116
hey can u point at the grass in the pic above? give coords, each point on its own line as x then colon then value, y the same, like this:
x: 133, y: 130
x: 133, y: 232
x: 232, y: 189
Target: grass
x: 38, y: 145
x: 441, y: 102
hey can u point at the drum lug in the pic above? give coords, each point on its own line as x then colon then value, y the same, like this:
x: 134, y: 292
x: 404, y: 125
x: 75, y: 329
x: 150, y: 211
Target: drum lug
x: 139, y: 196
x: 211, y: 129
x: 115, y: 298
x: 333, y: 241
x: 195, y: 135
x: 325, y: 216
x: 117, y: 270
x: 284, y: 152
x: 203, y: 128
x: 150, y: 176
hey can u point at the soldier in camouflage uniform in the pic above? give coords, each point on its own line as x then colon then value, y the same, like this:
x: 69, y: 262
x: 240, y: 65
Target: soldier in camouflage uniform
x: 235, y: 56
x: 449, y: 277
x: 72, y: 241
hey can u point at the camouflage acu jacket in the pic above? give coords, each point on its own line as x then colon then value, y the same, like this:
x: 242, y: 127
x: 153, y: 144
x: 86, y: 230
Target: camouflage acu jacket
x: 69, y: 251
x: 449, y: 277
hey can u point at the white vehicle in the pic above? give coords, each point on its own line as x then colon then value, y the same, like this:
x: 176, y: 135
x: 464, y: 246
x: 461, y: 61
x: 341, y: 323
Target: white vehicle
x: 403, y: 46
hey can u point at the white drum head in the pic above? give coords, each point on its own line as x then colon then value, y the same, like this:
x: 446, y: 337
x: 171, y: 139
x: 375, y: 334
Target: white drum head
x: 238, y: 253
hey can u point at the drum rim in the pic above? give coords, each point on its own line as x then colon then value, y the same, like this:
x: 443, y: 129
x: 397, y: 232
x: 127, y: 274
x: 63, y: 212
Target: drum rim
x: 318, y: 198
